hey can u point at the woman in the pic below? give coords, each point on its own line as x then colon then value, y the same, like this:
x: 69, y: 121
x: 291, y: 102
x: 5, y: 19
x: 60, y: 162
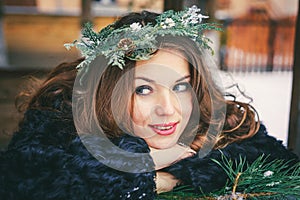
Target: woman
x: 140, y: 117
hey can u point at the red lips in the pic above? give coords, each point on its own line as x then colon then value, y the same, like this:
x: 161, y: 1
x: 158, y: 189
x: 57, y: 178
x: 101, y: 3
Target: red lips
x: 164, y: 129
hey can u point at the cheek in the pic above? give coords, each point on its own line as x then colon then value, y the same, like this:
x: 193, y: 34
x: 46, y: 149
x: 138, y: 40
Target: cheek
x: 141, y: 112
x: 186, y: 105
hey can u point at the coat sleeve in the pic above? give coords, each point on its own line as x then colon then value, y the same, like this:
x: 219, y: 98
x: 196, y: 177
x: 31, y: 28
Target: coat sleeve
x: 205, y: 175
x: 46, y: 160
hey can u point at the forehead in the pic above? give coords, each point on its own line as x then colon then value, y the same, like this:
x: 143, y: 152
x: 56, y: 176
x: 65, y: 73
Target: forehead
x: 165, y: 64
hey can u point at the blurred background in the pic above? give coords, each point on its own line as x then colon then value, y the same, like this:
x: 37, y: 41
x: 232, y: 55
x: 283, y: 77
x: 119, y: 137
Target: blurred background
x: 257, y: 48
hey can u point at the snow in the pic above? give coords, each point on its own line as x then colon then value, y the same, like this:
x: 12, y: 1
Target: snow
x: 271, y: 93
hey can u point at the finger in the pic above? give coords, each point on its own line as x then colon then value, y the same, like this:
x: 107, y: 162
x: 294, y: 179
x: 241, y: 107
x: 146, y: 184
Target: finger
x: 192, y: 151
x: 186, y: 155
x: 187, y: 148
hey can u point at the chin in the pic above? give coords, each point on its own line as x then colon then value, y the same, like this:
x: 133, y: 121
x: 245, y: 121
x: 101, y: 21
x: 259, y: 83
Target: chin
x: 161, y: 144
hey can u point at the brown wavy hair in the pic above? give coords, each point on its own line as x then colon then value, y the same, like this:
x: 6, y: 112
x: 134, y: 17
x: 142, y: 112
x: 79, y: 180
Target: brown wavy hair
x: 235, y: 120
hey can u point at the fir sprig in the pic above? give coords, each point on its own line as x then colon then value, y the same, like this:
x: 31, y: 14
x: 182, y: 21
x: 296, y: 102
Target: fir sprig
x: 137, y: 42
x: 275, y: 178
x: 261, y: 179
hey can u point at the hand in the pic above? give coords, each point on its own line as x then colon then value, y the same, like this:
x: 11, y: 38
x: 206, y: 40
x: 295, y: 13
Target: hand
x: 165, y: 157
x: 165, y: 182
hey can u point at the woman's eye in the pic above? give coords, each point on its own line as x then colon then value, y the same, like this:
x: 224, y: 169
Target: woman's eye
x: 143, y: 90
x: 181, y: 87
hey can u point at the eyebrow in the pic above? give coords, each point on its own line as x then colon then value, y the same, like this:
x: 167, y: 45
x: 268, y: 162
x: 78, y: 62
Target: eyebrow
x: 152, y: 81
x: 183, y: 78
x: 145, y: 79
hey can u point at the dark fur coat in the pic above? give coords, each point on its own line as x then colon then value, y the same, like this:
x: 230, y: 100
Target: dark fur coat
x: 47, y: 160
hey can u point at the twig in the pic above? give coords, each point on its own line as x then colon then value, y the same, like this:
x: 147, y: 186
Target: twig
x: 235, y: 184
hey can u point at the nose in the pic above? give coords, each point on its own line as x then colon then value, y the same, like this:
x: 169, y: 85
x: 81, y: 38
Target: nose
x: 166, y: 103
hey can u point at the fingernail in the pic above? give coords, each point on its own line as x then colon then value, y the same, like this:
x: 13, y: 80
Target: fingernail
x: 192, y: 151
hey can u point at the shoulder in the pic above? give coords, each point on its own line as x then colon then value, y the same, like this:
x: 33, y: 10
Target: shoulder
x: 260, y: 144
x: 46, y: 127
x: 35, y: 165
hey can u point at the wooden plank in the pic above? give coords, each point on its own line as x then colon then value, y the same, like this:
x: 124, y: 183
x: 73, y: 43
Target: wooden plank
x: 176, y: 5
x: 86, y: 15
x: 3, y: 55
x: 36, y: 41
x: 294, y: 125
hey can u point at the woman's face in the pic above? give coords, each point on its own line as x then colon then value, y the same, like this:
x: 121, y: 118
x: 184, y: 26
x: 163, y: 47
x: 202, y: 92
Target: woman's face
x: 162, y: 102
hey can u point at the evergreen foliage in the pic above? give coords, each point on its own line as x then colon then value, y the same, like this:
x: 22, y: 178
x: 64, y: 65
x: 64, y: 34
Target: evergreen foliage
x: 137, y: 42
x: 276, y: 180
